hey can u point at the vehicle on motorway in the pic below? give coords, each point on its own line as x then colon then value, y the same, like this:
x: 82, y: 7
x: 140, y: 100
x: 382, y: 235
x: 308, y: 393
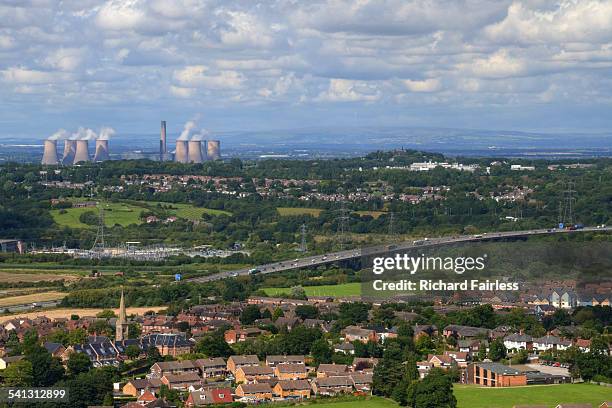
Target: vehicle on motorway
x: 418, y: 242
x: 253, y: 271
x: 477, y: 236
x: 234, y: 274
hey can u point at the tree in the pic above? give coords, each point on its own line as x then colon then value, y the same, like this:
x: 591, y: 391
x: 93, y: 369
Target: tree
x: 153, y: 355
x: 46, y: 369
x: 353, y: 312
x: 278, y: 312
x: 233, y: 290
x: 78, y: 363
x: 132, y: 351
x: 106, y: 314
x: 214, y: 345
x: 19, y: 374
x: 298, y: 292
x: 434, y: 391
x: 482, y: 351
x: 250, y: 314
x: 321, y: 351
x: 389, y: 371
x: 306, y: 312
x: 77, y: 336
x: 520, y: 357
x: 497, y: 350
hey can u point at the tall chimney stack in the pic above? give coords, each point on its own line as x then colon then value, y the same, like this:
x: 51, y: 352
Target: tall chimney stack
x: 163, y: 149
x: 69, y: 151
x: 101, y: 150
x: 50, y: 153
x: 195, y: 151
x: 82, y: 151
x: 213, y: 150
x: 182, y: 152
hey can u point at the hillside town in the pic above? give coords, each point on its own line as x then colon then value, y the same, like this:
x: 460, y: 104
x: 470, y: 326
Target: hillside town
x: 193, y: 356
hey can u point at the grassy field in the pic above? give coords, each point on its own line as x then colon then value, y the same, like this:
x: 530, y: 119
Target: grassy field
x: 287, y: 211
x: 34, y: 297
x: 345, y: 289
x: 548, y: 395
x: 114, y: 213
x: 35, y: 276
x: 371, y: 402
x: 187, y: 211
x: 125, y: 214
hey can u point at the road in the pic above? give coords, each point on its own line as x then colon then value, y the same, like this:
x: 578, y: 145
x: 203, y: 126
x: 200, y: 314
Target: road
x: 28, y: 306
x: 317, y: 260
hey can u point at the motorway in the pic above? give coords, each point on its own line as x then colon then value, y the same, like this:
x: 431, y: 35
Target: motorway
x: 317, y: 260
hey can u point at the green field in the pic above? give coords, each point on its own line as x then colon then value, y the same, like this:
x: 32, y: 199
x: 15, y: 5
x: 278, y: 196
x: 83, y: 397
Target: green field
x: 188, y: 211
x: 126, y: 213
x: 114, y: 213
x: 345, y: 289
x: 548, y: 395
x: 372, y: 402
x: 287, y: 211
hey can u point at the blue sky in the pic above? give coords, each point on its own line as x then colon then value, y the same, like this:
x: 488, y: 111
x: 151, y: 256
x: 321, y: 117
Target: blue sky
x: 240, y: 65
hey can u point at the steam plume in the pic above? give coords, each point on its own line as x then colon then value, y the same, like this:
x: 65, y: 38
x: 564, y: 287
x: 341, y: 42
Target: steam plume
x: 106, y: 133
x: 84, y: 134
x: 189, y: 126
x: 61, y: 134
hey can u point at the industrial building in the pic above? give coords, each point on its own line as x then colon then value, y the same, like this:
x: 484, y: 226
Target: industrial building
x: 12, y: 245
x: 101, y: 150
x: 82, y: 151
x: 50, y: 153
x: 69, y: 151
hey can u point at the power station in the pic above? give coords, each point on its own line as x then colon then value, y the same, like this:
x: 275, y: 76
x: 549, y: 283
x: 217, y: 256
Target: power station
x: 76, y: 147
x: 50, y: 153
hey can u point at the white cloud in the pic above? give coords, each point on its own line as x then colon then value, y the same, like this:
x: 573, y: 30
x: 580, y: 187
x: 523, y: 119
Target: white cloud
x: 427, y: 85
x: 121, y: 15
x: 65, y: 59
x: 200, y: 76
x: 498, y: 65
x: 18, y: 75
x: 571, y: 21
x: 345, y: 90
x: 182, y: 92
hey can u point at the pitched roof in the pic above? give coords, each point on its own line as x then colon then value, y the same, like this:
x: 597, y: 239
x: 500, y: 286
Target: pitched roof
x: 245, y: 359
x: 294, y: 385
x: 255, y: 388
x: 291, y: 368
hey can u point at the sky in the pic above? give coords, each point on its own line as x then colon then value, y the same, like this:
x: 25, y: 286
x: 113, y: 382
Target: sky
x: 288, y: 64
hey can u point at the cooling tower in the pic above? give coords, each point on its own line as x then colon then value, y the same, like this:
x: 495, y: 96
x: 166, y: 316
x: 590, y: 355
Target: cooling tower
x: 101, y: 150
x: 82, y: 151
x: 213, y: 149
x: 50, y: 152
x: 69, y: 151
x: 182, y: 152
x: 195, y: 151
x: 163, y: 150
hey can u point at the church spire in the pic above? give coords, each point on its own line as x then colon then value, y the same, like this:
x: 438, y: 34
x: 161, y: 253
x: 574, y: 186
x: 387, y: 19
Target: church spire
x: 121, y: 329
